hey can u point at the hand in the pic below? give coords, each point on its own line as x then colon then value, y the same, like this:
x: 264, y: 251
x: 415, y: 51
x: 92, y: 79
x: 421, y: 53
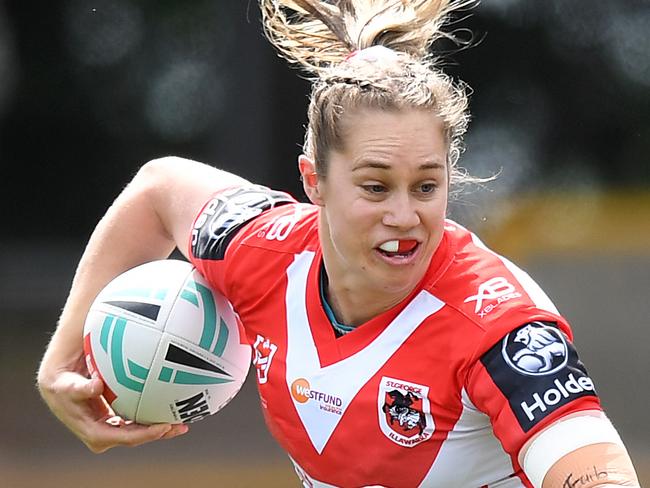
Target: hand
x: 78, y: 402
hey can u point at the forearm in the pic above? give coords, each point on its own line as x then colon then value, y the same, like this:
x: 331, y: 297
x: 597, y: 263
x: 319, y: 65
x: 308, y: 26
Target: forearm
x: 148, y: 219
x: 594, y: 466
x: 582, y: 450
x: 115, y: 245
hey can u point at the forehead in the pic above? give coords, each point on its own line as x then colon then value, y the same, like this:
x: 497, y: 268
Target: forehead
x: 395, y: 136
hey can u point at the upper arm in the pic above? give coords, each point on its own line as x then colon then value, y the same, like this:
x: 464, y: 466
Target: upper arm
x: 581, y: 449
x: 178, y: 188
x: 222, y: 222
x: 545, y: 411
x: 527, y: 380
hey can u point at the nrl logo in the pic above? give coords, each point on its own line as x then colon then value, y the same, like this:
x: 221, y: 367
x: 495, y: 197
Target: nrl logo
x: 264, y: 350
x: 404, y: 412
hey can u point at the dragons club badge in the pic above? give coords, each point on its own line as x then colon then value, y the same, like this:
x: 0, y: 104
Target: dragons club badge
x: 404, y: 411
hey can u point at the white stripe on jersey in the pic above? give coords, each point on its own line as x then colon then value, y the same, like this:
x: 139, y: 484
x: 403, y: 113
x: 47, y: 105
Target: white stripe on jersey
x: 471, y: 456
x: 534, y: 291
x: 302, y: 360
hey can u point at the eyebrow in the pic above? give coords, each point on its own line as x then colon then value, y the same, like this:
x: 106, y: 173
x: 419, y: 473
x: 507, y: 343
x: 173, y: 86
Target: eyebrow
x: 376, y: 165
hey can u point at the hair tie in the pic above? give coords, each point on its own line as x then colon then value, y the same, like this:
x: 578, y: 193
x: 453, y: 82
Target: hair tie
x: 373, y: 53
x: 351, y: 55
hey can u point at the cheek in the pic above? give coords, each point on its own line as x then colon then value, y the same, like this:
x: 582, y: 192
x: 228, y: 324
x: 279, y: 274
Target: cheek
x: 434, y: 219
x: 351, y: 222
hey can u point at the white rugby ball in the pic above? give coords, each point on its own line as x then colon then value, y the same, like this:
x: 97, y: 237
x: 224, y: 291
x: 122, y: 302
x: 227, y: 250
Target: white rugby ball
x: 167, y: 347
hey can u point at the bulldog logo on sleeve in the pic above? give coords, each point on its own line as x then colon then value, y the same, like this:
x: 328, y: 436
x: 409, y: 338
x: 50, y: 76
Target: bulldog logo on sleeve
x: 536, y: 349
x: 538, y: 371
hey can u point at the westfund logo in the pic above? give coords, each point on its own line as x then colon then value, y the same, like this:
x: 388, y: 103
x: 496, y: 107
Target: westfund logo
x: 534, y: 396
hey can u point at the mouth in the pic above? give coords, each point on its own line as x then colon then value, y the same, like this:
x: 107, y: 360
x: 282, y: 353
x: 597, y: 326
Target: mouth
x: 398, y: 251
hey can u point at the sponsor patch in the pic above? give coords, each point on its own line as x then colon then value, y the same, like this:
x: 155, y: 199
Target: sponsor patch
x: 226, y: 213
x: 538, y: 370
x: 535, y: 349
x: 404, y: 411
x: 302, y: 392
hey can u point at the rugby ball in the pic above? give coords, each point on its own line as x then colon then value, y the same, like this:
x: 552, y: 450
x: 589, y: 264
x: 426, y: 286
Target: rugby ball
x: 167, y: 347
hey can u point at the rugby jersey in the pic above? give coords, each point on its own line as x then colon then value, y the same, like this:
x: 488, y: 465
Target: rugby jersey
x: 442, y: 390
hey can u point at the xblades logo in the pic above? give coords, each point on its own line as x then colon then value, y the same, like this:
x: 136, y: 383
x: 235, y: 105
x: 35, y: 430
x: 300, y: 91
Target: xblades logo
x: 498, y: 289
x: 280, y: 228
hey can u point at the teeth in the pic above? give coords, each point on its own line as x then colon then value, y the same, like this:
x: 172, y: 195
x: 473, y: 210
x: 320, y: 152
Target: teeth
x: 390, y: 246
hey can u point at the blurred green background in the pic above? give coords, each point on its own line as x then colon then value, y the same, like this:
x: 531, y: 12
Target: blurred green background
x: 90, y: 90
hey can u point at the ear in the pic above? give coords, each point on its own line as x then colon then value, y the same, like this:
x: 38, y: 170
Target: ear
x: 310, y: 180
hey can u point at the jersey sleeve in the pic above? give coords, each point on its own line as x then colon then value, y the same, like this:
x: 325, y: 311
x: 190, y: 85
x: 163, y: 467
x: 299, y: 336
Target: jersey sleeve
x: 527, y: 380
x: 222, y: 222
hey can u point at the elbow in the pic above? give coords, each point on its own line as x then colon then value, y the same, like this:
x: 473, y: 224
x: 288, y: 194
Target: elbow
x: 154, y: 180
x: 157, y: 172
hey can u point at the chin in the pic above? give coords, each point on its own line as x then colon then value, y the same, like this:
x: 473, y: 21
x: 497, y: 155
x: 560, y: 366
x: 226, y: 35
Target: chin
x: 399, y: 285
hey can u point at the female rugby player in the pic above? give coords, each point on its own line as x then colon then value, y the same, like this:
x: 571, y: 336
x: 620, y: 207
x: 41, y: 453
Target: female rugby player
x: 400, y: 341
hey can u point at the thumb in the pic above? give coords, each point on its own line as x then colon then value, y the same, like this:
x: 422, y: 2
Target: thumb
x: 83, y: 388
x: 95, y: 385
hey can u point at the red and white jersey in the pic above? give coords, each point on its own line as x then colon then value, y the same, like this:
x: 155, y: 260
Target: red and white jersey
x: 440, y: 391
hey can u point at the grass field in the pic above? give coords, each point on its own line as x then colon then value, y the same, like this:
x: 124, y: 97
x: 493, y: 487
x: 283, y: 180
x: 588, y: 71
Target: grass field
x: 185, y: 475
x: 146, y: 476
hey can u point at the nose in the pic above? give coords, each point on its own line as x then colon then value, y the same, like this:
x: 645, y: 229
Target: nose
x: 401, y: 212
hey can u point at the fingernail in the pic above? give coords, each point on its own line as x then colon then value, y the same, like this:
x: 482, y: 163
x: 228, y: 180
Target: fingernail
x: 181, y: 430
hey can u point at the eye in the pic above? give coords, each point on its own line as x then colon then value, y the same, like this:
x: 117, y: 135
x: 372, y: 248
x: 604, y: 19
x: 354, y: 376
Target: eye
x: 374, y: 188
x: 427, y: 188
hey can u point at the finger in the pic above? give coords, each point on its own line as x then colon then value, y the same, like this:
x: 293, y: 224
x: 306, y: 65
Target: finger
x: 136, y: 434
x: 105, y: 436
x: 176, y: 430
x: 115, y: 421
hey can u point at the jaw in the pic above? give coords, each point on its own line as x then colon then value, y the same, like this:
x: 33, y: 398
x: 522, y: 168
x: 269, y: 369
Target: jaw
x: 395, y: 274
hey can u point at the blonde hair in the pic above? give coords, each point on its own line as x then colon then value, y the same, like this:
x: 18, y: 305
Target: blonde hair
x: 333, y: 41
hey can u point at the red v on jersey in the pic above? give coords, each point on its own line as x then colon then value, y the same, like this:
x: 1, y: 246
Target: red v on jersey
x: 302, y: 360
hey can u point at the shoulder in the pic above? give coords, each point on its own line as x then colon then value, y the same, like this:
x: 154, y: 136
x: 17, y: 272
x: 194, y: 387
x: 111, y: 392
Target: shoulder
x: 491, y: 295
x: 246, y: 235
x: 251, y: 214
x: 288, y: 229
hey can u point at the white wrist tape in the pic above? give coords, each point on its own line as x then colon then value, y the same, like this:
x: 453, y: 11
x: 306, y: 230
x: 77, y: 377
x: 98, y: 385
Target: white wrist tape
x: 563, y: 437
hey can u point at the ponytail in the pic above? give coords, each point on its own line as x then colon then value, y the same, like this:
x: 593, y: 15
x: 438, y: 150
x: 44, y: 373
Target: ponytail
x: 369, y: 54
x: 317, y: 34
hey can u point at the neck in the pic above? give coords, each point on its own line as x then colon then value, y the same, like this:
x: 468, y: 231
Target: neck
x: 353, y: 305
x: 352, y: 293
